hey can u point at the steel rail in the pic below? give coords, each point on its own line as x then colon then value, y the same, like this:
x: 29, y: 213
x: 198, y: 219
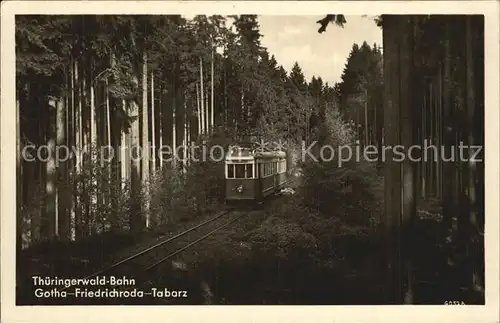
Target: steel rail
x: 159, y: 244
x: 193, y: 242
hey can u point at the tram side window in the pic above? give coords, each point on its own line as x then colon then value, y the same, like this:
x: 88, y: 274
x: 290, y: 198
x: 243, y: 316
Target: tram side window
x: 230, y: 171
x: 249, y: 171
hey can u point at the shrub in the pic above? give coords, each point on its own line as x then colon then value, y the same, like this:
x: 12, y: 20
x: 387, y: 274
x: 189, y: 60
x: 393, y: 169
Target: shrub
x: 352, y: 192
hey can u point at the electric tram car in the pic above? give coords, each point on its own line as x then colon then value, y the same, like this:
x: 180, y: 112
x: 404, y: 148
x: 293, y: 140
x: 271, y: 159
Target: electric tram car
x: 252, y: 175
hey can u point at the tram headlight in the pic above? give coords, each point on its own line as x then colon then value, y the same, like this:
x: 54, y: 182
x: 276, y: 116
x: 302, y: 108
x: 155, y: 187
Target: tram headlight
x: 239, y: 189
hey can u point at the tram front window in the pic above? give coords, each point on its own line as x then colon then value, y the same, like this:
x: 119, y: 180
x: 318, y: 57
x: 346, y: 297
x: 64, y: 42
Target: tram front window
x: 239, y: 170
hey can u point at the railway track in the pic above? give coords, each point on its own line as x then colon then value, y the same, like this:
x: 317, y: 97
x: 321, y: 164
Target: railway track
x: 149, y: 258
x: 140, y: 266
x: 133, y: 271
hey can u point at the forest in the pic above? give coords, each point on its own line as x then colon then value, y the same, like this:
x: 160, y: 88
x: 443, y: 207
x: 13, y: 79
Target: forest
x: 88, y: 82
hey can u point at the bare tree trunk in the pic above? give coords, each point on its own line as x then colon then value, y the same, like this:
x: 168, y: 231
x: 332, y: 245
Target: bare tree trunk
x: 174, y: 128
x: 188, y: 135
x: 36, y: 220
x: 125, y: 153
x: 184, y: 135
x: 393, y: 169
x: 85, y: 121
x: 160, y: 128
x: 166, y: 116
x: 203, y: 109
x: 424, y: 138
x: 29, y: 174
x: 438, y: 131
x: 153, y: 121
x: 51, y: 229
x: 241, y: 109
x: 62, y: 194
x: 79, y: 148
x: 93, y: 151
x: 367, y: 139
x: 408, y: 126
x: 112, y: 166
x: 474, y: 231
x: 198, y: 105
x: 207, y: 114
x: 86, y: 190
x: 145, y: 138
x: 136, y: 222
x: 19, y: 178
x: 108, y: 117
x: 212, y: 93
x: 226, y: 111
x: 448, y: 136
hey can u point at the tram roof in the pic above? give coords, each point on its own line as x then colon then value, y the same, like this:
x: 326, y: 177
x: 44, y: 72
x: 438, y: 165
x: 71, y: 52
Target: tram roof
x: 250, y: 155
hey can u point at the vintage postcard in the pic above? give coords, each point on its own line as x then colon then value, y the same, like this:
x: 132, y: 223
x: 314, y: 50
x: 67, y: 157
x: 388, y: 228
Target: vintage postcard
x: 179, y: 161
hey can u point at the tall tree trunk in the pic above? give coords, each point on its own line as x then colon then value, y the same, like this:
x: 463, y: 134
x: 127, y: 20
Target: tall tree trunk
x: 432, y: 120
x: 207, y: 114
x: 188, y: 133
x: 226, y: 110
x: 474, y: 231
x: 153, y: 121
x: 136, y: 222
x: 367, y: 140
x: 37, y: 220
x: 125, y: 151
x: 111, y: 197
x: 212, y: 93
x: 203, y: 109
x: 93, y: 151
x: 70, y: 136
x: 108, y: 117
x: 198, y: 106
x: 166, y: 119
x: 19, y: 178
x: 393, y: 169
x: 79, y: 148
x: 50, y: 218
x: 62, y: 194
x: 174, y: 128
x: 145, y: 138
x: 87, y: 193
x: 424, y: 138
x: 30, y: 171
x: 438, y: 130
x: 160, y: 127
x: 408, y: 113
x: 242, y: 107
x: 184, y: 135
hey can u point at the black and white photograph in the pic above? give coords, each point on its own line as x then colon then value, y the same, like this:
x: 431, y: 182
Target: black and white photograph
x: 249, y: 159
